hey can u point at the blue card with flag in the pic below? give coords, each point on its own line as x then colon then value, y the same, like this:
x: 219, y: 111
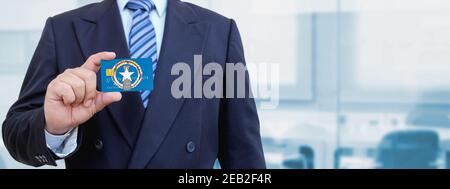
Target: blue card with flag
x: 122, y: 75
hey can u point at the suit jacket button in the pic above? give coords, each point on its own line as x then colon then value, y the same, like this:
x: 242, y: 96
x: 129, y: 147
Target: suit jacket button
x: 98, y: 144
x: 190, y: 147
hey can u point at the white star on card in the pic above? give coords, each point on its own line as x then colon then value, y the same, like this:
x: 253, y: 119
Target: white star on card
x: 126, y: 74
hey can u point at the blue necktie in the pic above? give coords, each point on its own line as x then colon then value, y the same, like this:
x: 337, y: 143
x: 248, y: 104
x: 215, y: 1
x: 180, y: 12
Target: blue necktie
x: 142, y: 38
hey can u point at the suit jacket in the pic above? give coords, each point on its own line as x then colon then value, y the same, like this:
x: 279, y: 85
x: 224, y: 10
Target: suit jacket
x: 171, y: 133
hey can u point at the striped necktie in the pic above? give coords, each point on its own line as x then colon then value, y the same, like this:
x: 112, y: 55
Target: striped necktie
x: 142, y: 38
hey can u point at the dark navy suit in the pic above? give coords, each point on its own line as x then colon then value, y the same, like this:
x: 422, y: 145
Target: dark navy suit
x: 171, y: 133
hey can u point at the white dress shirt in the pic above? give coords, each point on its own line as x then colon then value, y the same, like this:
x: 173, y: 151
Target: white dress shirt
x: 63, y: 145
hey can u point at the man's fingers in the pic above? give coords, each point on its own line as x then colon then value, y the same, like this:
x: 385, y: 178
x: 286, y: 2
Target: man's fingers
x: 77, y: 84
x: 63, y: 91
x: 90, y: 79
x: 104, y: 99
x: 93, y: 62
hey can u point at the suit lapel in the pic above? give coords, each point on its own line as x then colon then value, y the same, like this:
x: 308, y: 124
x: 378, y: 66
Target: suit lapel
x: 100, y: 29
x: 183, y: 38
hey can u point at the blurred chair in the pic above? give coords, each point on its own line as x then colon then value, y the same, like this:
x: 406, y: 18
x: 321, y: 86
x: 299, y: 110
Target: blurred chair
x: 408, y: 150
x: 304, y: 160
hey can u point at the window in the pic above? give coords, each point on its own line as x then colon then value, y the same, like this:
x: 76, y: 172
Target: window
x: 394, y: 83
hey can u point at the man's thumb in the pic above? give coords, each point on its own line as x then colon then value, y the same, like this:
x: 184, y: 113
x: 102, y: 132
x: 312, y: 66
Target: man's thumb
x: 104, y: 99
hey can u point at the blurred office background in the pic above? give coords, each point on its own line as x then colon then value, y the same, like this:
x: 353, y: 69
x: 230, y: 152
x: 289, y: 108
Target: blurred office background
x: 364, y: 83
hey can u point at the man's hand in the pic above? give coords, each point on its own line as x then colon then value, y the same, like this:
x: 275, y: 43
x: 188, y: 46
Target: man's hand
x: 72, y: 97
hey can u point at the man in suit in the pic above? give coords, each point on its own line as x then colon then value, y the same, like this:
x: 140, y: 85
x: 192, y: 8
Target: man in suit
x: 61, y: 114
